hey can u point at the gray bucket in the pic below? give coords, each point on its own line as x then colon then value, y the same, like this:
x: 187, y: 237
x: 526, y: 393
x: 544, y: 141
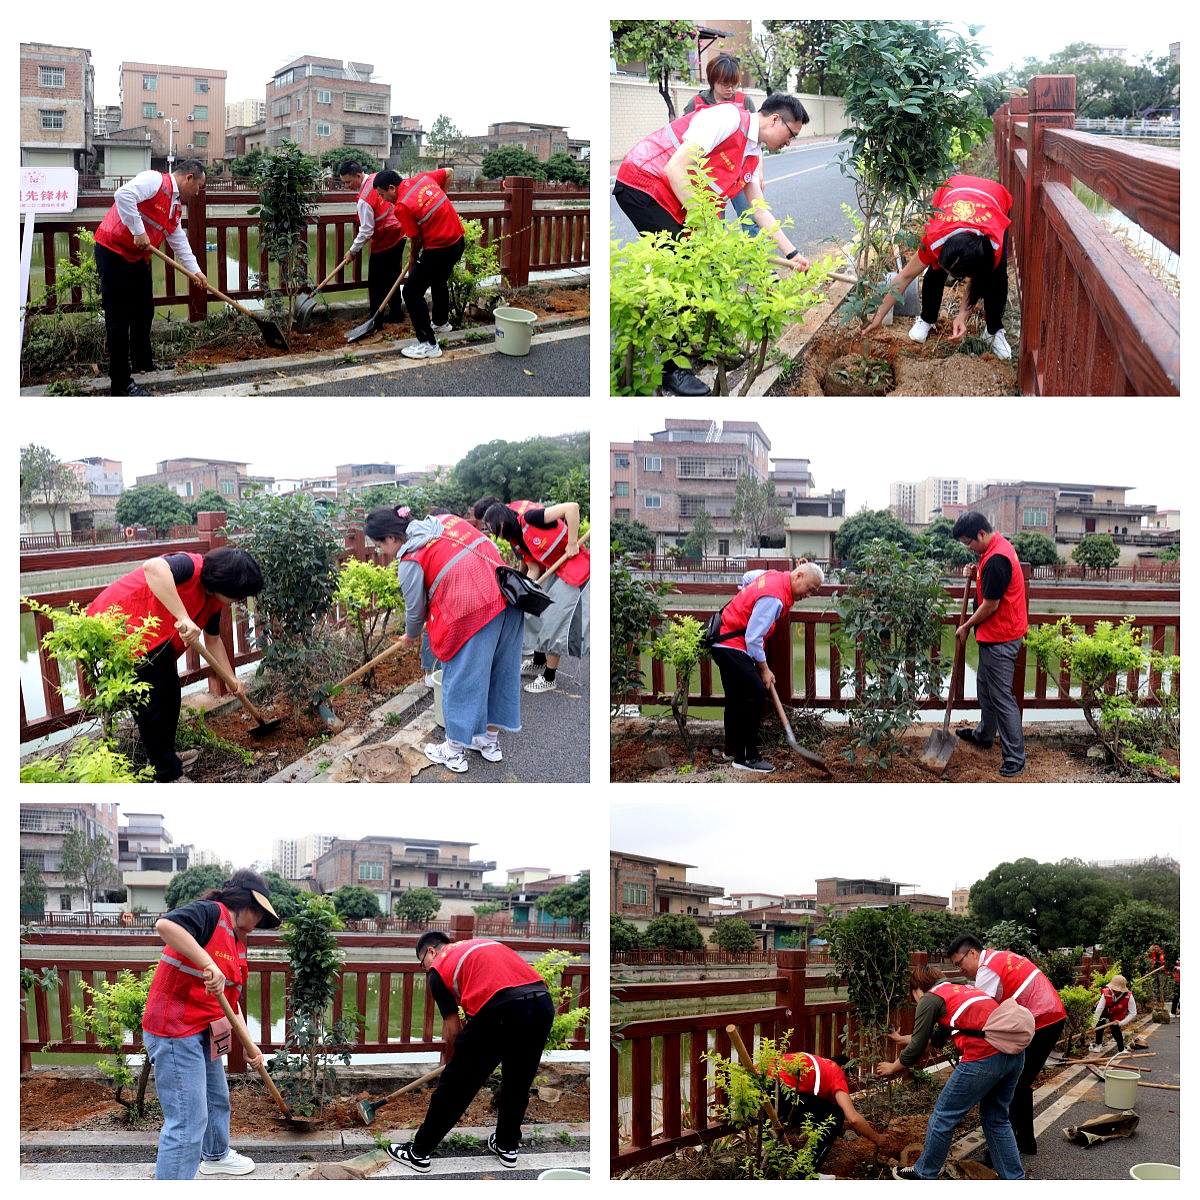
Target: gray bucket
x: 1154, y: 1171
x: 438, y: 714
x: 910, y: 305
x: 1120, y: 1087
x: 514, y: 330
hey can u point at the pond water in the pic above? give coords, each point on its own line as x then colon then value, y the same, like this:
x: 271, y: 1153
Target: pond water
x: 1116, y: 220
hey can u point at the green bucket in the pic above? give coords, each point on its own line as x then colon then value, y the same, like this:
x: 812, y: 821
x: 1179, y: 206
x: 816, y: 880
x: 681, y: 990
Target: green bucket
x: 514, y: 330
x: 1154, y: 1171
x: 563, y: 1173
x: 438, y: 715
x: 1120, y: 1088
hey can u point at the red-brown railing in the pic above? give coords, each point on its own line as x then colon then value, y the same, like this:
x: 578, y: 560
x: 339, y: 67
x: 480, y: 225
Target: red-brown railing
x: 1094, y: 321
x: 95, y: 537
x: 537, y: 228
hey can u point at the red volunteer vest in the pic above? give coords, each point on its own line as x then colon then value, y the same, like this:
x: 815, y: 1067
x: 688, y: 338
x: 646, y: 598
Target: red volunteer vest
x: 1114, y: 1009
x: 546, y: 546
x: 387, y: 229
x: 823, y: 1078
x: 159, y: 214
x: 1022, y: 981
x: 461, y: 583
x: 1177, y: 971
x: 738, y: 98
x: 475, y: 970
x: 1011, y: 620
x: 730, y: 163
x: 1157, y: 959
x: 177, y: 1004
x: 970, y: 1007
x: 967, y: 202
x: 428, y: 213
x: 132, y: 595
x: 738, y: 610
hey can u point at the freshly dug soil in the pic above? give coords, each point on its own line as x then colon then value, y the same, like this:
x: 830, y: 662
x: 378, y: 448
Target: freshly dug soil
x: 843, y: 378
x: 53, y: 1102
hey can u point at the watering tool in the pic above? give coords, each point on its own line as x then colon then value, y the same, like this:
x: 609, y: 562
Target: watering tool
x: 809, y: 756
x: 374, y: 323
x: 940, y: 747
x: 367, y: 1109
x: 271, y: 333
x: 288, y: 1118
x: 306, y: 305
x: 264, y: 727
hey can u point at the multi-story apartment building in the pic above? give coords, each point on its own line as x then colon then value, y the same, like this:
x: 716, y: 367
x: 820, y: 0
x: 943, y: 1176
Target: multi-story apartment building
x: 324, y: 104
x: 922, y: 502
x: 107, y: 120
x: 811, y: 518
x: 356, y: 478
x: 188, y: 477
x: 245, y: 112
x: 542, y: 140
x: 848, y: 894
x: 57, y: 106
x: 960, y: 900
x: 293, y: 858
x: 641, y: 887
x: 44, y: 829
x: 182, y: 107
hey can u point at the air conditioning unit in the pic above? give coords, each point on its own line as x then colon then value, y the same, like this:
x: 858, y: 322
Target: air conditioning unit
x: 190, y: 146
x: 191, y: 117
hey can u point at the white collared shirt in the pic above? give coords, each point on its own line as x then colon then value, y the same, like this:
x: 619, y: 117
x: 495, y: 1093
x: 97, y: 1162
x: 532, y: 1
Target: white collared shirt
x: 145, y: 186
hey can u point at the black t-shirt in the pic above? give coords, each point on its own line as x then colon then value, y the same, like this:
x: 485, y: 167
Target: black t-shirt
x: 199, y: 918
x: 182, y: 569
x: 537, y: 518
x: 997, y: 575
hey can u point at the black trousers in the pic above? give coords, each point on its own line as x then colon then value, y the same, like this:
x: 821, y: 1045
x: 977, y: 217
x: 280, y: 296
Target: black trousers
x: 1020, y: 1110
x: 793, y: 1113
x: 127, y: 294
x: 430, y: 273
x: 995, y: 293
x: 511, y: 1035
x: 644, y: 212
x: 744, y: 696
x: 1117, y: 1032
x: 158, y: 719
x: 384, y: 269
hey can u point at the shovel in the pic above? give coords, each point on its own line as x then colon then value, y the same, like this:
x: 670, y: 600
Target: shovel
x: 264, y: 728
x: 367, y: 1109
x: 940, y: 747
x: 271, y: 333
x: 374, y: 323
x: 288, y: 1118
x: 809, y: 756
x: 307, y: 305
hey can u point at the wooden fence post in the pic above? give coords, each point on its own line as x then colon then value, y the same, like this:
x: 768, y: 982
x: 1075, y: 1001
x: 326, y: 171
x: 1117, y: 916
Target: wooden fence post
x: 462, y: 927
x: 1051, y: 106
x: 793, y: 966
x: 518, y: 229
x: 1018, y: 182
x: 197, y: 232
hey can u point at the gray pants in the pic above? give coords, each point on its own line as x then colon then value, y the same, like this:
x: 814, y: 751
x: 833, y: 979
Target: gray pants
x: 998, y: 706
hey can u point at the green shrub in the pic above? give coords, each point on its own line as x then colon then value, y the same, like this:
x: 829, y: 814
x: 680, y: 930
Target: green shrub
x: 112, y: 1017
x: 466, y: 282
x: 550, y: 967
x: 88, y: 760
x: 680, y: 644
x: 369, y: 594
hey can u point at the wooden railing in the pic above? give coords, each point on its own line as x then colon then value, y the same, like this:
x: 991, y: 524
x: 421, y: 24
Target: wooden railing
x: 1093, y: 320
x: 96, y: 537
x: 537, y: 229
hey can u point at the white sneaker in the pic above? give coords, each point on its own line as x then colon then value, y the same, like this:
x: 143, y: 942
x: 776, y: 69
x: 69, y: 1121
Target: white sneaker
x: 421, y: 350
x: 232, y: 1164
x: 920, y: 330
x: 1000, y: 346
x: 527, y: 667
x: 447, y: 328
x: 188, y: 757
x: 448, y: 755
x: 542, y: 684
x: 488, y: 747
x: 428, y: 680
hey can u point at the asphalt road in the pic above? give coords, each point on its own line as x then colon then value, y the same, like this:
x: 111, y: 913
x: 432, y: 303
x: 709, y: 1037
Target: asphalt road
x: 804, y: 183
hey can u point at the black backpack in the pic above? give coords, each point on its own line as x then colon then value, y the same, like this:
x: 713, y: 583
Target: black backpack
x: 712, y: 631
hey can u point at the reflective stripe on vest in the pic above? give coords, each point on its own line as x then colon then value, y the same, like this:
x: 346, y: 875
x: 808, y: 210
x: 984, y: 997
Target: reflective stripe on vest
x: 985, y: 961
x: 467, y: 549
x: 457, y: 970
x: 816, y: 1074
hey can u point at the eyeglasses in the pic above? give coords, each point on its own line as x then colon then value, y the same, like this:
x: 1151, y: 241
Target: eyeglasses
x: 958, y: 962
x: 792, y: 133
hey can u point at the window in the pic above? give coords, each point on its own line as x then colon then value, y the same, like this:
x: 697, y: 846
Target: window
x: 228, y: 487
x: 52, y: 76
x: 620, y: 462
x: 715, y: 506
x: 622, y: 512
x: 324, y: 129
x: 53, y: 118
x: 723, y: 547
x: 370, y: 870
x: 652, y: 502
x: 187, y: 488
x: 150, y: 110
x: 281, y: 107
x: 353, y: 102
x: 635, y: 895
x: 284, y: 78
x: 149, y: 83
x: 651, y: 462
x: 202, y: 86
x: 1038, y: 517
x: 201, y: 139
x: 324, y: 96
x: 695, y: 467
x: 620, y: 488
x: 36, y: 858
x: 200, y: 112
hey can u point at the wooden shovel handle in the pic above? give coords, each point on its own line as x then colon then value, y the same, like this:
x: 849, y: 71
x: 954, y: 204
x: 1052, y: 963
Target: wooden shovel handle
x: 204, y: 283
x: 960, y: 652
x: 408, y: 1087
x: 230, y: 682
x: 243, y: 1034
x: 736, y: 1038
x: 542, y: 578
x: 344, y: 263
x: 368, y: 665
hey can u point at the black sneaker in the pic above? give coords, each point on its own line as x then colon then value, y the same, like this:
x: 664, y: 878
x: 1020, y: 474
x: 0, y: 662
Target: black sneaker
x: 405, y: 1154
x: 507, y: 1157
x: 905, y: 1173
x: 753, y: 764
x: 969, y: 735
x: 131, y: 389
x: 1008, y: 770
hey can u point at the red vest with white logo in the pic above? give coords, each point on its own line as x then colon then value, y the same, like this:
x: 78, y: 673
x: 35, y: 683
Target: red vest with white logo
x: 546, y: 546
x: 132, y: 595
x: 427, y: 212
x: 475, y: 970
x: 738, y: 98
x: 967, y: 202
x: 1114, y: 1009
x: 823, y: 1077
x: 1011, y: 620
x: 738, y: 610
x: 967, y: 1007
x: 460, y: 579
x: 387, y: 229
x: 1022, y: 981
x: 177, y: 1004
x: 159, y: 214
x: 730, y: 163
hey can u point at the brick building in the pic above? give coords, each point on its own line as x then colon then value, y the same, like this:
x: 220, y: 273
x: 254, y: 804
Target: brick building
x: 641, y: 887
x: 1063, y: 511
x: 542, y: 140
x: 188, y: 477
x: 191, y: 98
x: 848, y: 894
x: 43, y: 830
x: 356, y: 478
x: 324, y: 104
x: 57, y: 106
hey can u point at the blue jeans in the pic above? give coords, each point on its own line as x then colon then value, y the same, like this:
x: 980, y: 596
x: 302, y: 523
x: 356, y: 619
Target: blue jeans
x: 194, y: 1095
x: 742, y: 205
x: 429, y: 664
x: 990, y: 1083
x: 481, y: 684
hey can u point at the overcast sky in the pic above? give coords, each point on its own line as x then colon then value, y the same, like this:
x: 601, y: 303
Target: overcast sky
x: 243, y: 834
x: 475, y: 64
x: 864, y: 449
x: 284, y: 438
x: 758, y: 845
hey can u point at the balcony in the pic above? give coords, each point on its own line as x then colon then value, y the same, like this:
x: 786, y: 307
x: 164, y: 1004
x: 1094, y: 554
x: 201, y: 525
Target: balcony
x: 475, y: 866
x: 1133, y: 512
x: 676, y: 888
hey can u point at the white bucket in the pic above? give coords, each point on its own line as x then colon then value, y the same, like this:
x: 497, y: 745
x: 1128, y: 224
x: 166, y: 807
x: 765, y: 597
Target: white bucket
x: 568, y: 1173
x: 1154, y: 1171
x: 1120, y: 1088
x: 514, y: 330
x: 437, y: 698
